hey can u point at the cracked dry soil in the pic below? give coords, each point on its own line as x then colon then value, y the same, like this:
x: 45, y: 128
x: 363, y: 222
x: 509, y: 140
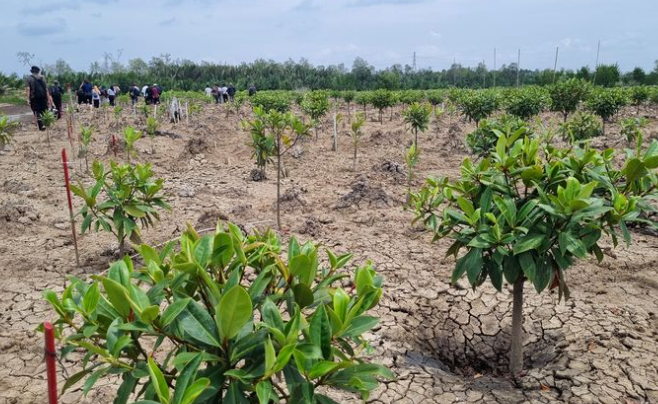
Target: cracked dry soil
x: 446, y: 345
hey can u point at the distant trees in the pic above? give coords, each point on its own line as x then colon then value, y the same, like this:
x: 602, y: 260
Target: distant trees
x: 181, y: 74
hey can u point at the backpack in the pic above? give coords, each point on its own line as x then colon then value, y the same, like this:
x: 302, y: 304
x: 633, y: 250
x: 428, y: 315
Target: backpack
x: 155, y: 93
x: 135, y: 92
x: 54, y: 91
x: 38, y: 88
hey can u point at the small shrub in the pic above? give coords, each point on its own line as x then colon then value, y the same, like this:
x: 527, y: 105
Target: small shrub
x: 7, y: 129
x: 86, y: 135
x: 477, y: 105
x: 124, y: 198
x: 526, y: 102
x: 631, y: 128
x: 48, y: 118
x: 484, y: 138
x: 434, y: 97
x: 606, y: 103
x: 639, y: 95
x: 316, y: 105
x: 528, y: 211
x: 130, y: 136
x: 382, y: 99
x: 565, y: 96
x: 356, y: 135
x: 580, y: 126
x: 271, y: 101
x: 417, y: 116
x: 226, y: 317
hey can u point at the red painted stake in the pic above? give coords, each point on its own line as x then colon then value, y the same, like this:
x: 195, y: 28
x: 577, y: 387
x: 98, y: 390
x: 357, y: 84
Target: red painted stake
x: 68, y: 195
x: 51, y: 354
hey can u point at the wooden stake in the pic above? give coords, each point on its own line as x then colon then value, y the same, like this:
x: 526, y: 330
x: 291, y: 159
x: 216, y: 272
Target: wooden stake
x: 65, y: 163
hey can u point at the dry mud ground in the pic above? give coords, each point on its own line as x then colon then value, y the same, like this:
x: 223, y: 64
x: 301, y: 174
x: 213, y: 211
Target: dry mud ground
x: 445, y: 344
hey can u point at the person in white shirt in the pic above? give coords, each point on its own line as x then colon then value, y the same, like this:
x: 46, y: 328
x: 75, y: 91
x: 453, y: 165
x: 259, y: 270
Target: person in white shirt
x: 225, y: 93
x: 144, y: 91
x: 208, y: 91
x: 111, y: 95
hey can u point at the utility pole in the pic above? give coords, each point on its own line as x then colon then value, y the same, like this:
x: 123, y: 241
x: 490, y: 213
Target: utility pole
x: 557, y: 49
x: 414, y: 62
x: 596, y: 66
x: 494, y: 71
x: 518, y: 68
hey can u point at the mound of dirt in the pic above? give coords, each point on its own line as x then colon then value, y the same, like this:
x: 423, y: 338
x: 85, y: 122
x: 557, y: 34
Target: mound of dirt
x: 392, y: 169
x: 17, y: 187
x: 380, y: 137
x: 363, y: 192
x: 209, y: 218
x: 311, y: 226
x: 196, y: 146
x: 257, y: 175
x: 18, y: 211
x: 293, y: 199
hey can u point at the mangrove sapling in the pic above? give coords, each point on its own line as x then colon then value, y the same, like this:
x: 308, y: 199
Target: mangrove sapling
x: 130, y: 136
x: 527, y: 212
x: 438, y: 114
x: 117, y: 115
x: 348, y: 97
x: 411, y: 156
x: 7, y: 129
x: 477, y: 104
x: 606, y: 103
x: 123, y: 200
x: 639, y: 95
x: 631, y: 128
x: 526, y: 102
x: 225, y: 318
x: 565, y: 96
x: 86, y: 133
x: 382, y: 99
x: 417, y: 116
x: 277, y: 133
x: 48, y: 118
x: 151, y: 129
x: 363, y: 98
x: 356, y: 135
x: 316, y: 105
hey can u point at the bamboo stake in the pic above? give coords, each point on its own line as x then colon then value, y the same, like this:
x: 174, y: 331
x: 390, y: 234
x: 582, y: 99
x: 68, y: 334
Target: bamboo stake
x: 65, y: 163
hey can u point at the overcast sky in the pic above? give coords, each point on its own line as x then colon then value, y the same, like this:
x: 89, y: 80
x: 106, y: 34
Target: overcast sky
x: 383, y: 32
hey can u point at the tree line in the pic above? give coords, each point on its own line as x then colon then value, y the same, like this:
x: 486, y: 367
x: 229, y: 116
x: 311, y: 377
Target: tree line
x: 290, y: 75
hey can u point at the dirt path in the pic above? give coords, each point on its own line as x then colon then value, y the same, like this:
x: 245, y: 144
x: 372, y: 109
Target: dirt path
x: 446, y: 345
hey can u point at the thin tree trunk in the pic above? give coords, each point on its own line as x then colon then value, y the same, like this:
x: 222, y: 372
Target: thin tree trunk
x: 278, y: 183
x: 416, y: 134
x: 516, y: 349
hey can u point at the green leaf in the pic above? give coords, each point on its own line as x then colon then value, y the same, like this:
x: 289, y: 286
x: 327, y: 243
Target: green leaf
x: 568, y: 242
x: 528, y: 242
x: 303, y: 294
x: 340, y: 301
x: 471, y: 263
x: 265, y: 392
x: 89, y: 383
x: 634, y: 170
x: 75, y: 378
x: 544, y: 274
x: 90, y: 299
x: 126, y: 388
x: 203, y: 250
x: 322, y: 368
x: 173, y: 311
x: 185, y: 378
x: 300, y: 266
x: 199, y: 325
x: 359, y: 325
x: 195, y: 390
x: 149, y: 314
x: 117, y: 295
x: 320, y: 331
x: 158, y: 381
x: 233, y: 311
x: 528, y: 266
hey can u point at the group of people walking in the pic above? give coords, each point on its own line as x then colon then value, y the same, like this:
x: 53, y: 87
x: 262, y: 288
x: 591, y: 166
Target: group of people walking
x: 91, y: 94
x: 40, y: 97
x: 221, y: 93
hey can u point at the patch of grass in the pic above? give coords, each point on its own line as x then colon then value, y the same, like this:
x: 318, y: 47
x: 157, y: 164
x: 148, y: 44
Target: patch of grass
x: 13, y: 97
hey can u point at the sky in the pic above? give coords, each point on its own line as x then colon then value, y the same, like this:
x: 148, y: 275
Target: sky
x: 330, y: 32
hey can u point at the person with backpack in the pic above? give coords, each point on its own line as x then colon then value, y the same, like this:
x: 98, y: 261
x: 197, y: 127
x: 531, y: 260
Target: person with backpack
x: 155, y: 94
x: 56, y: 91
x: 37, y: 95
x: 252, y: 89
x: 87, y: 90
x: 231, y: 92
x: 215, y: 93
x: 134, y: 94
x: 147, y: 96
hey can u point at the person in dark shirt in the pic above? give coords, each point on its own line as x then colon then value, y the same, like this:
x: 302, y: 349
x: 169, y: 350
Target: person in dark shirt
x: 56, y: 91
x: 87, y: 90
x: 231, y: 92
x: 252, y: 90
x: 37, y: 95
